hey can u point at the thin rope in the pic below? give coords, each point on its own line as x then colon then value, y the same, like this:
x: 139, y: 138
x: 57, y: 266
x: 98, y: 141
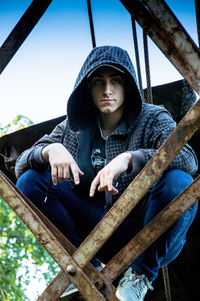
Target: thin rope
x: 166, y: 283
x: 150, y: 100
x: 91, y: 23
x: 147, y: 67
x: 137, y: 57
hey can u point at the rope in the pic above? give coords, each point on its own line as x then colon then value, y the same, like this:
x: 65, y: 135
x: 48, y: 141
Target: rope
x: 147, y: 67
x: 91, y: 23
x: 166, y: 283
x: 135, y: 40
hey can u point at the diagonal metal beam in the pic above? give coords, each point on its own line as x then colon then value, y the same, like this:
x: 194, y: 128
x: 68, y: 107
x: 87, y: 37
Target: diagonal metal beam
x: 22, y: 29
x: 136, y: 190
x: 29, y: 215
x: 162, y: 26
x: 139, y: 186
x: 153, y: 230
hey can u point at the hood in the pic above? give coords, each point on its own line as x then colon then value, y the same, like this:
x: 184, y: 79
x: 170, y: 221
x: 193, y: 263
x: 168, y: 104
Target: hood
x: 81, y: 111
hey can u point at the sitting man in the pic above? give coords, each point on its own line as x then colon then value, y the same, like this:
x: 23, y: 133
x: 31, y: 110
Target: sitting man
x: 91, y: 157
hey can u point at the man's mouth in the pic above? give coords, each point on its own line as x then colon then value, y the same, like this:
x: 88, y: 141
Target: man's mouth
x: 107, y: 100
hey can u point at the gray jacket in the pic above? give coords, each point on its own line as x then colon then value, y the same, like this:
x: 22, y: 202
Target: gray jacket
x: 145, y: 127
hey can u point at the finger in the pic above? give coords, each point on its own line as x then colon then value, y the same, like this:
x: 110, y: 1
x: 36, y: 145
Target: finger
x: 106, y: 182
x: 110, y: 182
x: 93, y: 186
x: 112, y: 191
x: 54, y: 174
x: 76, y: 172
x: 60, y: 172
x: 66, y: 171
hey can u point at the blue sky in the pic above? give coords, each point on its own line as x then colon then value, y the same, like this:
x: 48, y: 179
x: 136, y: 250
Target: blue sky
x: 39, y: 79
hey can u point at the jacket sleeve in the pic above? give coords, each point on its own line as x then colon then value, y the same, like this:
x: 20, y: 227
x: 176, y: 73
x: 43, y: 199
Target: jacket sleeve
x: 32, y: 158
x: 160, y: 128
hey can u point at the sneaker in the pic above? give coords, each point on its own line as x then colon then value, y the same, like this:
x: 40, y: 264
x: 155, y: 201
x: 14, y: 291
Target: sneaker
x: 72, y: 291
x: 69, y: 293
x: 133, y: 287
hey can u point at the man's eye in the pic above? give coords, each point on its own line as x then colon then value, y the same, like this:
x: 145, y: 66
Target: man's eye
x: 116, y: 80
x: 98, y: 81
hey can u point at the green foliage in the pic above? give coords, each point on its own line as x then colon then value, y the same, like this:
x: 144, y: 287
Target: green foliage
x: 18, y: 123
x: 19, y: 249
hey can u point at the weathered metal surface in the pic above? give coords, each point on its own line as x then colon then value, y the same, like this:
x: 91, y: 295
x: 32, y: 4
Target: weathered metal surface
x: 197, y: 7
x: 155, y: 17
x: 91, y: 23
x: 177, y: 97
x: 55, y: 289
x: 153, y: 230
x: 13, y: 144
x: 31, y: 219
x: 137, y: 189
x: 58, y: 285
x: 149, y: 98
x: 22, y: 30
x: 137, y: 56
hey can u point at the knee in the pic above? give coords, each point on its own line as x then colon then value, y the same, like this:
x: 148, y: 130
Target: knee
x: 175, y: 181
x: 31, y: 180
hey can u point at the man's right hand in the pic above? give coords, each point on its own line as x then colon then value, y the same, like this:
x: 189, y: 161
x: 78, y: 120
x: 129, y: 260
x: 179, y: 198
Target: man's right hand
x: 61, y: 162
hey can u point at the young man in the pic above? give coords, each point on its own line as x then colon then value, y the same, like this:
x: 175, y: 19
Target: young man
x: 107, y: 138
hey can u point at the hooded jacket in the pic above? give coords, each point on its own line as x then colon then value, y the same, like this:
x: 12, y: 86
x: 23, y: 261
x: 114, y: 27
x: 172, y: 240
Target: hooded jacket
x: 144, y: 128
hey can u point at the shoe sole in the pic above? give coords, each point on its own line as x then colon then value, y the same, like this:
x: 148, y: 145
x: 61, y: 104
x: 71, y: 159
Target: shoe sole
x: 67, y: 296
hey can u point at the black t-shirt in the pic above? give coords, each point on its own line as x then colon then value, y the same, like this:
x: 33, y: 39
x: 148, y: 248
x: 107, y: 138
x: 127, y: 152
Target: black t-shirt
x: 98, y: 156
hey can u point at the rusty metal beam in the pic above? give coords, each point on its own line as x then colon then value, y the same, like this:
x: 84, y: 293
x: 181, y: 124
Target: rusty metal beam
x: 162, y: 26
x: 56, y: 288
x: 153, y: 230
x: 137, y: 189
x: 30, y: 217
x: 21, y: 31
x: 197, y: 7
x: 186, y: 128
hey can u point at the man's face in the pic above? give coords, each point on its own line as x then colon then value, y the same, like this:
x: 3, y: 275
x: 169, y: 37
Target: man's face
x: 108, y: 90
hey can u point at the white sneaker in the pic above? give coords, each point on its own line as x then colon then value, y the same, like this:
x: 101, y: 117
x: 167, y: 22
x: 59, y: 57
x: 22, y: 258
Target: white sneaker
x: 133, y: 287
x: 72, y: 291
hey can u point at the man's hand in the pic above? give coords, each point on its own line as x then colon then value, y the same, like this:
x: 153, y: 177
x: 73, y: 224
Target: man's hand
x: 61, y: 162
x: 104, y: 178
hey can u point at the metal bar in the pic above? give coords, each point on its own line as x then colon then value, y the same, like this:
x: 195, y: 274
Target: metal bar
x: 137, y: 56
x: 137, y: 189
x: 166, y: 283
x: 55, y: 289
x: 22, y: 29
x: 169, y: 35
x: 91, y: 23
x: 153, y: 230
x: 30, y: 218
x: 197, y: 8
x: 147, y: 67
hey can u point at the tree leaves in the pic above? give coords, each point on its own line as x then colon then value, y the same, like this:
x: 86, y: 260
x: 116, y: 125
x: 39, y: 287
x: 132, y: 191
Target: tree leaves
x: 19, y: 249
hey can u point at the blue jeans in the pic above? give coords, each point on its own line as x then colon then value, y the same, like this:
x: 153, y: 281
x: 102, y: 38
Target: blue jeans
x: 75, y: 217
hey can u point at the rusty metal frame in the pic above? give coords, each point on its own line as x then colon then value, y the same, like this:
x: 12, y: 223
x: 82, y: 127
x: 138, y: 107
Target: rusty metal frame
x: 22, y: 29
x: 152, y: 16
x: 132, y: 195
x: 162, y: 26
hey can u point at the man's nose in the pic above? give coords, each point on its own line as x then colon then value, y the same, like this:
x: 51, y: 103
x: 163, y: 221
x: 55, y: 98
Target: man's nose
x: 107, y: 88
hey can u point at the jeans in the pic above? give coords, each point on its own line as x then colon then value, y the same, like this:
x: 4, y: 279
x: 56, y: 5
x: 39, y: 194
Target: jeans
x: 75, y: 217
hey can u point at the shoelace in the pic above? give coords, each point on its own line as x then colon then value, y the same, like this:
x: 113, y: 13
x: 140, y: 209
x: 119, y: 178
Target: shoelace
x: 139, y: 282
